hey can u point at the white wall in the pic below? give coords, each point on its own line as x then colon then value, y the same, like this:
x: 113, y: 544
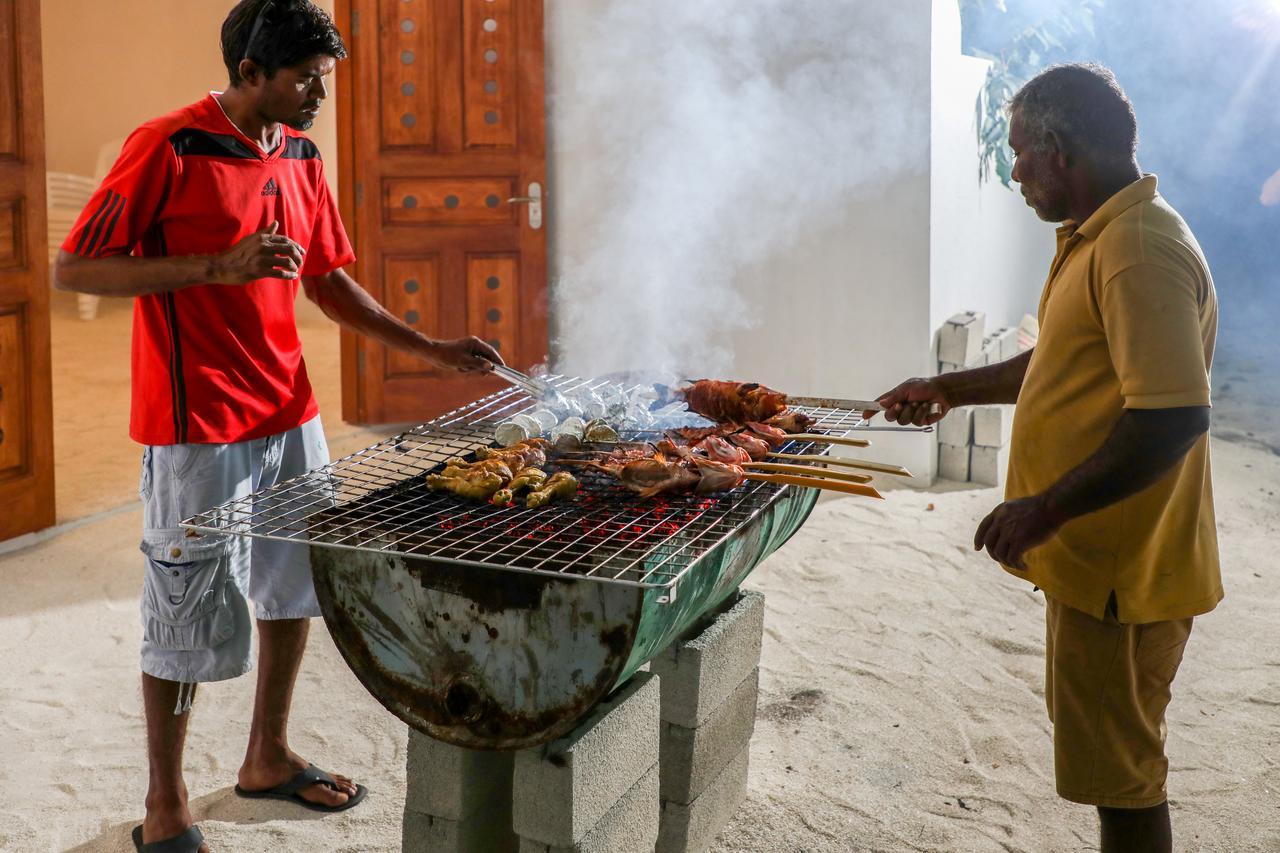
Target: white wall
x: 779, y: 192
x: 110, y: 66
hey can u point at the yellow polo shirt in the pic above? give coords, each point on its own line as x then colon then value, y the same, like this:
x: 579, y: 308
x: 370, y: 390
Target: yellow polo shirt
x: 1127, y: 321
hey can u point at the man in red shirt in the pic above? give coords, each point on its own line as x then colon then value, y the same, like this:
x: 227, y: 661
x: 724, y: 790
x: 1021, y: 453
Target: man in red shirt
x: 210, y: 218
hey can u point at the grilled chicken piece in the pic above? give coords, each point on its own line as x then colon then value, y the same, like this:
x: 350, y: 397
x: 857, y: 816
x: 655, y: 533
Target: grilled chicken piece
x: 757, y: 448
x: 503, y: 497
x: 458, y: 468
x: 720, y: 450
x: 733, y: 402
x: 791, y: 421
x: 560, y: 485
x: 529, y: 478
x: 478, y: 486
x: 526, y: 454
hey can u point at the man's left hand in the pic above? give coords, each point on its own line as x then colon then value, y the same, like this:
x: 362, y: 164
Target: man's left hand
x: 1015, y: 527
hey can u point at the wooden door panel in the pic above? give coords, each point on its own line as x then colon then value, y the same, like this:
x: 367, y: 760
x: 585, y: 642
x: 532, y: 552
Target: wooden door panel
x: 449, y: 201
x: 435, y: 159
x: 26, y: 407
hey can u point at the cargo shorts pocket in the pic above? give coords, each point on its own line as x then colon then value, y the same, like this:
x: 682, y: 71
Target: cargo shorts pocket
x: 184, y: 597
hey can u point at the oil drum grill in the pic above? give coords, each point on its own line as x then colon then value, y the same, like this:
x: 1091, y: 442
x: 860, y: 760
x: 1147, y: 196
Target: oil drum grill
x: 584, y: 591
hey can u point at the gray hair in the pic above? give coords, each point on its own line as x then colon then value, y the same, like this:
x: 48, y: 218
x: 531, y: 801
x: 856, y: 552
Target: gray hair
x: 1084, y: 105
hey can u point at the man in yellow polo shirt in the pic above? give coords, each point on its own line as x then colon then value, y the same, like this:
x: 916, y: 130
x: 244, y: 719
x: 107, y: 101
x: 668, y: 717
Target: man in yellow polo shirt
x: 1109, y: 506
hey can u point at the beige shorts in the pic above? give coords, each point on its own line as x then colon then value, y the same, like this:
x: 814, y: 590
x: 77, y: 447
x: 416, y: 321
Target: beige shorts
x: 1107, y: 686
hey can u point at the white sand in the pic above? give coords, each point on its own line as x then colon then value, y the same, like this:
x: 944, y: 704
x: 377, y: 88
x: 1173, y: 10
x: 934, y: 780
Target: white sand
x: 901, y: 704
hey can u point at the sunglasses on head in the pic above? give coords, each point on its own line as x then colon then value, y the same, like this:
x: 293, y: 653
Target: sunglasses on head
x: 256, y: 28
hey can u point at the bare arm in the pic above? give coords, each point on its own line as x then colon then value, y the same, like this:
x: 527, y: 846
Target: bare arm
x: 910, y: 402
x: 345, y: 302
x: 1142, y: 447
x: 263, y: 254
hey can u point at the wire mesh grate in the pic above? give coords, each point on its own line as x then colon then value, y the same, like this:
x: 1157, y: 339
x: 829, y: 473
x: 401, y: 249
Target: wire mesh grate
x: 376, y: 500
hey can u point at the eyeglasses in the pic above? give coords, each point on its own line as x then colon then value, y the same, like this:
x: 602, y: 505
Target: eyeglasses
x: 257, y: 27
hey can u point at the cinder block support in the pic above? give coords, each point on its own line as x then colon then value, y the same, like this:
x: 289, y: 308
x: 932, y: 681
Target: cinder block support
x: 456, y: 800
x: 693, y: 826
x: 710, y: 684
x: 699, y: 673
x: 692, y: 759
x: 631, y: 825
x: 572, y: 793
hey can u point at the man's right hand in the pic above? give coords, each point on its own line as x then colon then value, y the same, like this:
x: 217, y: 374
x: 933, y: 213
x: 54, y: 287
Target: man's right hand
x: 912, y: 402
x: 262, y: 254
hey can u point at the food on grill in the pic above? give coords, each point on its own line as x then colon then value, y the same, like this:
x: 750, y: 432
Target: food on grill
x: 743, y: 402
x: 733, y: 402
x: 529, y: 478
x: 476, y: 486
x: 720, y: 450
x: 791, y: 421
x: 503, y: 497
x: 599, y: 429
x: 573, y: 426
x: 757, y: 448
x: 531, y: 453
x: 559, y: 485
x: 651, y: 472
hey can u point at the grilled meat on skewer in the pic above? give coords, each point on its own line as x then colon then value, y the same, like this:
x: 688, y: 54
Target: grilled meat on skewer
x: 791, y: 421
x: 720, y: 450
x: 757, y: 448
x: 733, y: 402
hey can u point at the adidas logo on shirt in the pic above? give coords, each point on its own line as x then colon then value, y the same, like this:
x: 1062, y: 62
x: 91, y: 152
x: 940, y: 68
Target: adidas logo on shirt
x: 270, y: 188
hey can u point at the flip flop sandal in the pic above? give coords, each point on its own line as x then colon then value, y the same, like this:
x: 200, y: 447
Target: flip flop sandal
x: 187, y: 841
x: 305, y: 779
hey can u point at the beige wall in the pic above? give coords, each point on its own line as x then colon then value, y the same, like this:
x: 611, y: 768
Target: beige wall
x: 109, y: 66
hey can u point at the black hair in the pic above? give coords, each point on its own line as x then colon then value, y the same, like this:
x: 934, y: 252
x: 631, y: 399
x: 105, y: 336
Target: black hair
x: 1084, y: 105
x: 276, y: 34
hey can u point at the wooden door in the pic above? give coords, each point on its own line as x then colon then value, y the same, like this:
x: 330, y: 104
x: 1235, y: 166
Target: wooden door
x: 441, y: 136
x: 26, y: 402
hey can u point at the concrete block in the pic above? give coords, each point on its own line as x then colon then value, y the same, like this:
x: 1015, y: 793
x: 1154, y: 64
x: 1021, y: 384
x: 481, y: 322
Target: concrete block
x: 953, y: 462
x: 631, y: 826
x: 452, y: 782
x: 956, y: 428
x: 692, y: 827
x: 960, y: 338
x: 562, y: 789
x: 989, y: 465
x: 699, y: 672
x: 992, y: 425
x: 1008, y: 338
x: 692, y: 759
x: 483, y: 832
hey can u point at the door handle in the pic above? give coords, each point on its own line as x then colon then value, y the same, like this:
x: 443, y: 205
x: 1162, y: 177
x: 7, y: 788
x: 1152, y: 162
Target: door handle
x: 534, y: 200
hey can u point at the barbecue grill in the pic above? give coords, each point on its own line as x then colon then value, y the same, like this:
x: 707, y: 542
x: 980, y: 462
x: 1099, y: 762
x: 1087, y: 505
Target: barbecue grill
x: 500, y: 628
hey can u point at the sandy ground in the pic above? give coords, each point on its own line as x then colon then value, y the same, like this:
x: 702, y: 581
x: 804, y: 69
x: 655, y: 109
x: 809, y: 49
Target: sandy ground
x: 901, y: 705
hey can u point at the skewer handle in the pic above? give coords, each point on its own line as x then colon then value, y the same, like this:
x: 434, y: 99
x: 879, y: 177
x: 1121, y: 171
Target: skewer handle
x: 807, y: 471
x: 831, y: 439
x: 816, y: 483
x: 879, y: 467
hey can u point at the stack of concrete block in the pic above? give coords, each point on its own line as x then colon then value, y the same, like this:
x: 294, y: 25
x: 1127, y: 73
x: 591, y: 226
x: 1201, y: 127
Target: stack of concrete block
x: 710, y: 682
x: 992, y: 428
x: 973, y: 442
x: 596, y: 789
x: 457, y: 800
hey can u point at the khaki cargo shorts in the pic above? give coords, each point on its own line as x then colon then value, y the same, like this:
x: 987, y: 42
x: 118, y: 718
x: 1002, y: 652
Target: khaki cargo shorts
x: 195, y: 616
x: 1107, y: 686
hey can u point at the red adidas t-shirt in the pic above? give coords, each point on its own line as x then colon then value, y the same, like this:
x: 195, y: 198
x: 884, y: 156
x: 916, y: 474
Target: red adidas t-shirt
x: 214, y: 363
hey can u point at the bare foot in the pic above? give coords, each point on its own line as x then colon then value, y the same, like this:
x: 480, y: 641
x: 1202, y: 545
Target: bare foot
x: 262, y: 773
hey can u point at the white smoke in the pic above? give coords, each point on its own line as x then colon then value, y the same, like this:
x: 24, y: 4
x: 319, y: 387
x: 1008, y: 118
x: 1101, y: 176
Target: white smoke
x: 692, y: 142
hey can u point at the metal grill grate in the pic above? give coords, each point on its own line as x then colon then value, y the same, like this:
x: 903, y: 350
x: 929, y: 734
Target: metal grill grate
x: 376, y: 500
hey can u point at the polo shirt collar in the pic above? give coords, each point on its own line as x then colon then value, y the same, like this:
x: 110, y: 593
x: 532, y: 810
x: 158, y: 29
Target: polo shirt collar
x: 1143, y: 189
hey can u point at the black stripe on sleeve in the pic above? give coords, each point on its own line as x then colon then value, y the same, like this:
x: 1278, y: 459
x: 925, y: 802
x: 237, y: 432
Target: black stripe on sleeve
x: 113, y: 213
x: 84, y: 235
x: 300, y: 148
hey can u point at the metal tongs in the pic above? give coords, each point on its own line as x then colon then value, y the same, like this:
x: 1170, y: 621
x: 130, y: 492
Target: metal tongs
x: 535, y: 388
